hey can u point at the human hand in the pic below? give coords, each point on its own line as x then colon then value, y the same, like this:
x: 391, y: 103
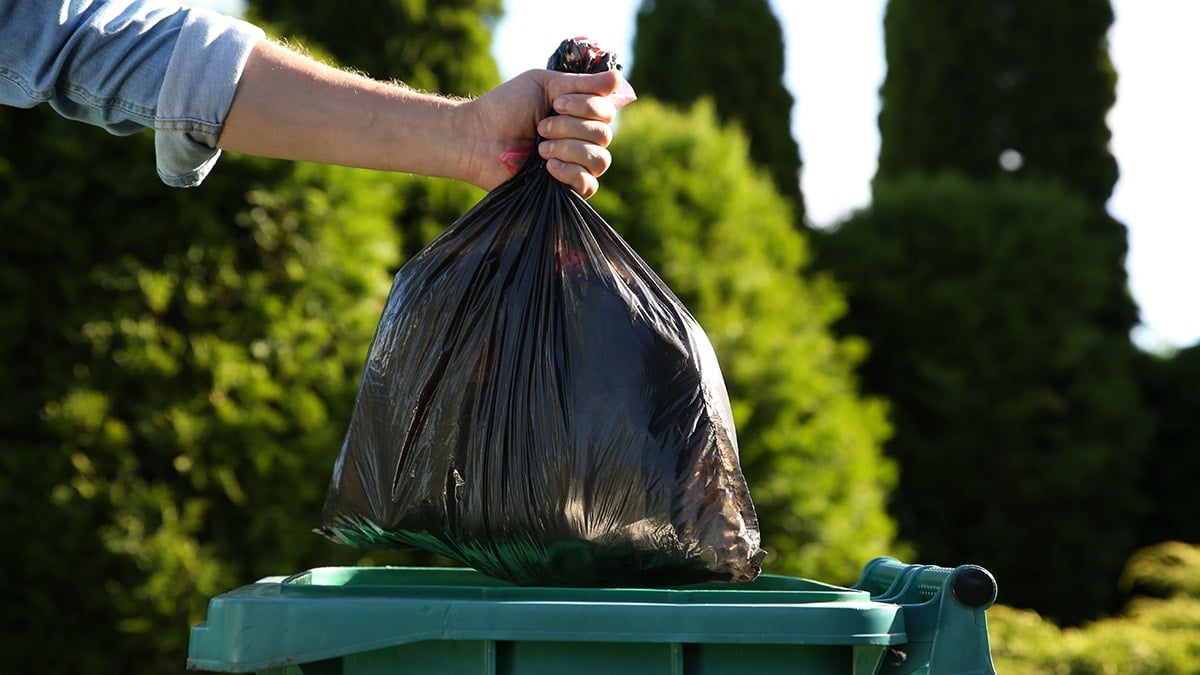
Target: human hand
x: 289, y: 106
x: 575, y: 139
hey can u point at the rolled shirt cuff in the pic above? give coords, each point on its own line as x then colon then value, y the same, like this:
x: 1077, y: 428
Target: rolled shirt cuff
x: 197, y: 92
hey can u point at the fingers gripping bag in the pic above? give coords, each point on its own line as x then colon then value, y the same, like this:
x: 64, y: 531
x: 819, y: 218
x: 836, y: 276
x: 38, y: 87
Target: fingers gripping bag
x: 538, y: 405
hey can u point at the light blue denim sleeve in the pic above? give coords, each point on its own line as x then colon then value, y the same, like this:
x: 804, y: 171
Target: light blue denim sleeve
x: 126, y: 66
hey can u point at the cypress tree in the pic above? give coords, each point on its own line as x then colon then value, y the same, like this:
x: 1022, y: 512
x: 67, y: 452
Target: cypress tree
x: 731, y: 51
x: 977, y: 96
x: 1019, y: 427
x: 1173, y: 463
x: 1008, y: 87
x: 1016, y: 87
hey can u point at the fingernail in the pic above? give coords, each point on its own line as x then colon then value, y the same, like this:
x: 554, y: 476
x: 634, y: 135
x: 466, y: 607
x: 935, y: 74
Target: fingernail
x: 624, y: 95
x: 514, y: 158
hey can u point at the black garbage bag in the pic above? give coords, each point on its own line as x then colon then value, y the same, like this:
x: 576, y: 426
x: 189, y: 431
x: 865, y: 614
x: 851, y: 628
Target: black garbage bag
x: 538, y: 405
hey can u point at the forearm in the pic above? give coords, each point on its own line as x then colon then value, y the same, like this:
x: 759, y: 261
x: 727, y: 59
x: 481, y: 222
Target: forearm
x: 288, y: 106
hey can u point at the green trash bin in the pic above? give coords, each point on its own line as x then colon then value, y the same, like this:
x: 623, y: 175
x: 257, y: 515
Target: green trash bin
x: 373, y: 620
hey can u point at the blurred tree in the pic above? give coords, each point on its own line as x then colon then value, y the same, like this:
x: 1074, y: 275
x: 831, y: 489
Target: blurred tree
x: 178, y: 369
x: 1173, y: 464
x: 1156, y: 633
x: 995, y: 92
x: 443, y: 46
x: 177, y: 366
x: 1019, y: 425
x: 731, y: 51
x: 1017, y: 87
x: 686, y: 195
x: 1008, y: 87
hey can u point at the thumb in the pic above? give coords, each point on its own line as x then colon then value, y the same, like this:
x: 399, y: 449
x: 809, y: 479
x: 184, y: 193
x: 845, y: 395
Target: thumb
x: 610, y: 83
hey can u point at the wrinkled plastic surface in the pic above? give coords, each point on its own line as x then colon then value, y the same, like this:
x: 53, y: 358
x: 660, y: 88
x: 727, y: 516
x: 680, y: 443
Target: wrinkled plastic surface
x: 537, y: 404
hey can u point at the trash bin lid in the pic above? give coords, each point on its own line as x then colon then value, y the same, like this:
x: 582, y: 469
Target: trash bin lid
x: 332, y: 612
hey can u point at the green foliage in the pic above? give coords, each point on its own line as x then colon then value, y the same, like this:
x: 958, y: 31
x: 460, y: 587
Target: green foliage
x: 967, y: 81
x: 1151, y: 636
x: 1019, y: 424
x: 1173, y: 465
x: 731, y: 51
x: 686, y: 196
x: 442, y: 46
x: 1164, y: 570
x: 178, y: 366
